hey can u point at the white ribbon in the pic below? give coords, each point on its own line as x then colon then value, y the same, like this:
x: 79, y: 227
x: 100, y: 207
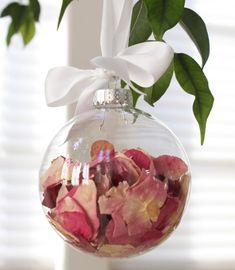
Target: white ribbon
x: 143, y: 63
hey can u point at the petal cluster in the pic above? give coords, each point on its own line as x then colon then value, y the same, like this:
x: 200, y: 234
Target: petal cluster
x: 118, y: 204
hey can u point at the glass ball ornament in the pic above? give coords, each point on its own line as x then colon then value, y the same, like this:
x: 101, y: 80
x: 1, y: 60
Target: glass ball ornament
x: 114, y: 181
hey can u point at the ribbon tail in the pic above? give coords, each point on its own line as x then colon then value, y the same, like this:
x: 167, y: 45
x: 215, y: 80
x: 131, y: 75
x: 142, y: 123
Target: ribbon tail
x: 116, y: 20
x: 64, y: 85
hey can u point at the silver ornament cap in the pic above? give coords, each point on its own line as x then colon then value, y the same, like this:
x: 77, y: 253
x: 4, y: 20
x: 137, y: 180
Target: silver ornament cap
x: 113, y: 98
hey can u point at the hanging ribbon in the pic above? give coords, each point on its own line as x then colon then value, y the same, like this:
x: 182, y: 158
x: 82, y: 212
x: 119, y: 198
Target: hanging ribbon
x: 143, y: 63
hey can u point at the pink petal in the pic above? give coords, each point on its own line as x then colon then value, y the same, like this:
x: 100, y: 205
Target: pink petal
x: 117, y: 251
x: 136, y: 216
x: 75, y: 223
x: 124, y: 169
x: 63, y: 192
x: 72, y: 218
x: 113, y: 199
x: 76, y: 241
x: 170, y: 167
x: 53, y: 174
x: 50, y: 195
x: 116, y: 229
x: 86, y: 195
x: 174, y: 188
x: 149, y: 189
x: 143, y: 204
x: 103, y: 184
x: 68, y: 204
x: 140, y: 241
x: 102, y: 149
x: 141, y: 159
x: 168, y: 213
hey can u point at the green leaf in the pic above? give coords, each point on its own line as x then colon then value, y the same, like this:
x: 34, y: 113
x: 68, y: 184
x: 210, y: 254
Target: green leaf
x: 135, y: 96
x: 35, y: 8
x: 154, y: 93
x: 27, y: 30
x: 196, y: 29
x: 163, y: 15
x: 193, y: 81
x: 10, y: 33
x: 16, y: 12
x: 140, y: 29
x: 65, y: 4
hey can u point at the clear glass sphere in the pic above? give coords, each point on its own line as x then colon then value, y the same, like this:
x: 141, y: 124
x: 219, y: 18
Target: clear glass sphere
x: 114, y: 181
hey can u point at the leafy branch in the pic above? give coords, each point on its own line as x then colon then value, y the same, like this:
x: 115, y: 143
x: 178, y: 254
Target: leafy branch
x: 149, y: 17
x: 161, y: 16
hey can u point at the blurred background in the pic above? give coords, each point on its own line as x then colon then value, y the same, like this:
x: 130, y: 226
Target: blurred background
x: 206, y: 237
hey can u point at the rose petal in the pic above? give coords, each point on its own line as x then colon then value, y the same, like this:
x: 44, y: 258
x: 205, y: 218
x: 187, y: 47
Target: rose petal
x: 116, y: 250
x: 50, y: 195
x: 174, y: 188
x: 113, y: 199
x: 124, y: 169
x: 149, y: 189
x: 63, y: 192
x: 53, y: 174
x: 86, y: 195
x: 168, y: 213
x: 141, y: 158
x: 170, y: 167
x: 103, y: 184
x: 75, y: 223
x: 142, y: 205
x: 140, y: 241
x: 102, y: 149
x: 72, y: 218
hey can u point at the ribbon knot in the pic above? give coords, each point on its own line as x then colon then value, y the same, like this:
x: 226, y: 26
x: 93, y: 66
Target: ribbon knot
x: 143, y: 63
x: 109, y: 75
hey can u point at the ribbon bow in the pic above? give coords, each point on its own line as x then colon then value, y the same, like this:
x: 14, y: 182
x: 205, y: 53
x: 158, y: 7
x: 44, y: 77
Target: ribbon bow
x: 143, y: 63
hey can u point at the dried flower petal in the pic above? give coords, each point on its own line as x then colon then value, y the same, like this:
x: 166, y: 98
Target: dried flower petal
x: 116, y: 250
x: 72, y: 218
x: 113, y: 199
x: 124, y: 169
x: 170, y: 167
x: 103, y: 183
x: 102, y: 149
x: 143, y: 204
x: 75, y: 223
x: 133, y: 209
x: 140, y: 241
x: 86, y: 195
x: 168, y: 213
x: 53, y: 173
x: 50, y: 195
x: 141, y: 158
x: 63, y: 192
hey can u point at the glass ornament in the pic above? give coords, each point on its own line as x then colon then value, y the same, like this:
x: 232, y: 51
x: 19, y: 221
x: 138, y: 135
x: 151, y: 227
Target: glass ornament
x: 114, y: 181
